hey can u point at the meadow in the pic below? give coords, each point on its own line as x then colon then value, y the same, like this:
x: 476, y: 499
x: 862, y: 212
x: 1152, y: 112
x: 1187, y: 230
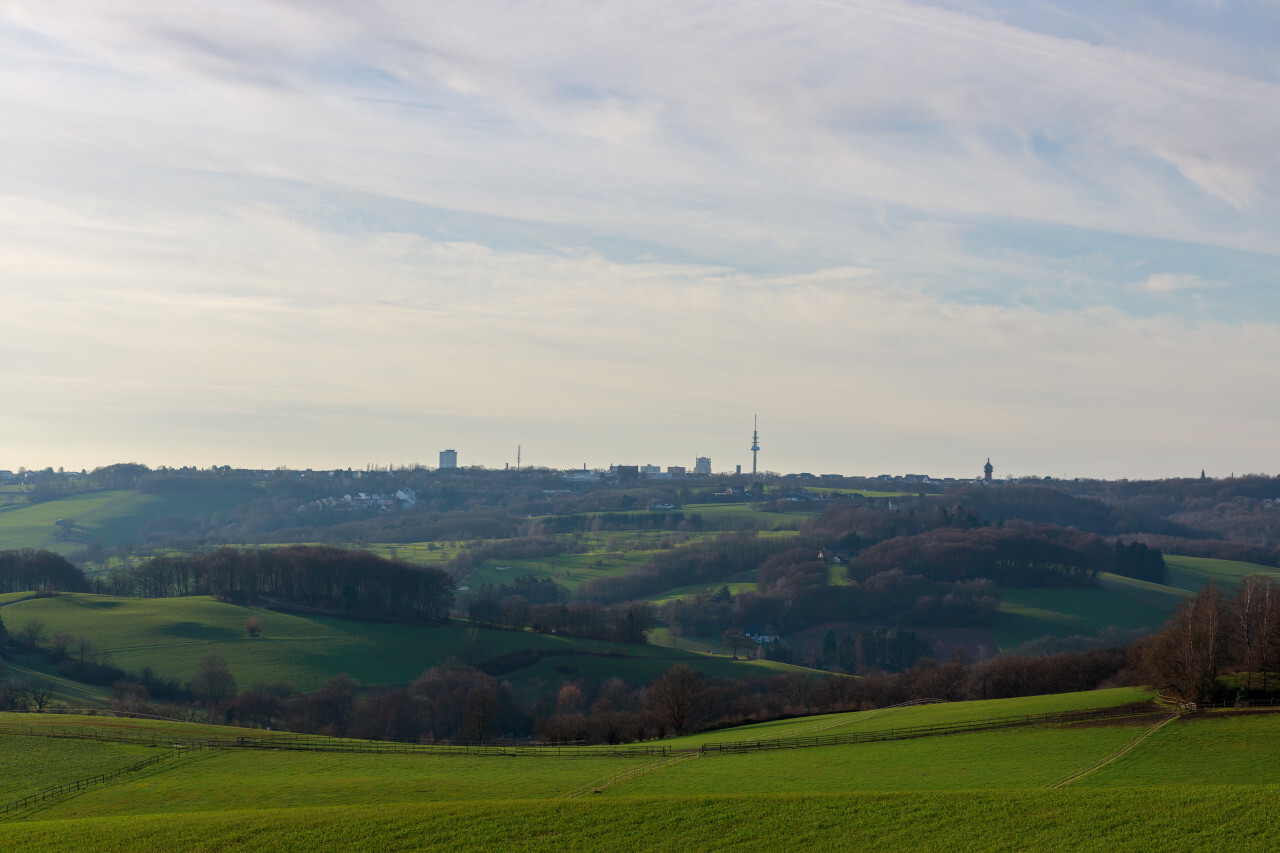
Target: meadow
x: 1208, y: 779
x: 171, y: 635
x: 1116, y: 602
x: 109, y: 517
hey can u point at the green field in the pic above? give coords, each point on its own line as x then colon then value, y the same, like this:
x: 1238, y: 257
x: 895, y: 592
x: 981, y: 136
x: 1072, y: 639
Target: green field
x: 171, y: 635
x: 948, y: 713
x: 1207, y: 780
x: 109, y: 517
x: 1117, y: 602
x: 1191, y: 573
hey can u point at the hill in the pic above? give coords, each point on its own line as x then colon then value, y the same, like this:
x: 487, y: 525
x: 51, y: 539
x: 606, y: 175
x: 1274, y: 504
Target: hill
x: 1155, y: 782
x: 169, y: 636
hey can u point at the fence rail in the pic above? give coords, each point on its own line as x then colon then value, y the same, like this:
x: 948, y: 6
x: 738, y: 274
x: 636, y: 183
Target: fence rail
x: 321, y: 743
x: 78, y: 785
x: 907, y: 733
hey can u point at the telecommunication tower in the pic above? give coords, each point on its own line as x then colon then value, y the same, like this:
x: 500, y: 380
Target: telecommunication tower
x: 755, y: 442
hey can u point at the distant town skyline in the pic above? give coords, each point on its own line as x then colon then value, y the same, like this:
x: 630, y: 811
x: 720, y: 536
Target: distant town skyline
x: 321, y: 234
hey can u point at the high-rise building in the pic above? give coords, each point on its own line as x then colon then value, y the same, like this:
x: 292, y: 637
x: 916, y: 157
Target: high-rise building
x: 702, y: 465
x: 448, y: 458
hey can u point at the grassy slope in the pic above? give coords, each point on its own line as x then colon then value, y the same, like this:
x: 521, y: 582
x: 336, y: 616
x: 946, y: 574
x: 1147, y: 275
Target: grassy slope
x: 1191, y: 573
x: 918, y: 715
x: 110, y: 517
x: 1210, y: 750
x: 1207, y: 781
x: 28, y: 764
x: 1117, y: 602
x: 170, y: 636
x: 1001, y: 821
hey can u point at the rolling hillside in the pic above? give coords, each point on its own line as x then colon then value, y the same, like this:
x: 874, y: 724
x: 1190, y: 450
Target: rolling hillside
x: 1133, y: 783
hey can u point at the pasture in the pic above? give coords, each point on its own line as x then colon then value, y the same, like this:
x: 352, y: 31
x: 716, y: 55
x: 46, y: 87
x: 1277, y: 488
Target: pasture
x: 171, y: 635
x: 1206, y: 780
x: 109, y: 517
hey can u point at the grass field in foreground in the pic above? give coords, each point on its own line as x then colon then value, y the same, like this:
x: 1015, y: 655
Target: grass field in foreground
x: 917, y: 715
x: 1215, y: 749
x: 28, y: 764
x: 1002, y: 822
x: 1206, y: 781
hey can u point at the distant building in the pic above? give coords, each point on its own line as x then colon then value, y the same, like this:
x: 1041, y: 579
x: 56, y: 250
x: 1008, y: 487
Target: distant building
x: 702, y: 465
x: 676, y: 470
x: 987, y: 470
x: 650, y: 470
x: 448, y: 459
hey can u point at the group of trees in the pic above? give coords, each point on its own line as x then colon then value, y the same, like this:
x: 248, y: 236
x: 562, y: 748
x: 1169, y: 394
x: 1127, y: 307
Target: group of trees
x: 1006, y: 555
x: 356, y: 582
x: 27, y: 569
x: 876, y: 649
x: 621, y: 623
x: 1212, y: 633
x: 727, y: 555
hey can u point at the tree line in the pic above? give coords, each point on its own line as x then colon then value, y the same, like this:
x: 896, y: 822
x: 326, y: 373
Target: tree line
x: 30, y: 569
x: 354, y: 582
x: 1212, y: 633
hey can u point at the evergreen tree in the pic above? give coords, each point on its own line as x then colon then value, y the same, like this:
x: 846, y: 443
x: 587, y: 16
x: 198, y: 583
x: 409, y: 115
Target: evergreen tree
x: 830, y: 649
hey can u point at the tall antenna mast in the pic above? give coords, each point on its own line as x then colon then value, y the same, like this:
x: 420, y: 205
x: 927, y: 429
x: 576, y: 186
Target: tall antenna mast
x: 755, y: 442
x: 517, y: 457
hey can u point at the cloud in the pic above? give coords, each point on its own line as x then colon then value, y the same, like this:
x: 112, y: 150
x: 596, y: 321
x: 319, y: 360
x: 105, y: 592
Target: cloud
x: 1175, y: 282
x: 880, y: 219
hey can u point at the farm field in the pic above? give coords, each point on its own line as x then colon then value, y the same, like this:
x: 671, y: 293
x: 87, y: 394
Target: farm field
x: 1206, y: 780
x: 1028, y: 614
x: 1117, y: 601
x: 917, y: 715
x: 110, y: 517
x: 1191, y: 573
x: 171, y: 635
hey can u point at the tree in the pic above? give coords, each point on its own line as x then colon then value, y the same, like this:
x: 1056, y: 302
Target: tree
x: 213, y: 682
x: 39, y: 694
x: 59, y: 644
x: 1187, y: 654
x: 482, y: 710
x: 676, y: 696
x: 830, y: 649
x: 32, y: 633
x: 253, y: 626
x: 736, y: 639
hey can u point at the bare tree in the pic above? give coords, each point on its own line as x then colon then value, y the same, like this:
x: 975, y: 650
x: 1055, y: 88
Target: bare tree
x: 60, y: 642
x: 39, y: 694
x: 1186, y: 656
x: 677, y: 696
x: 32, y: 633
x: 253, y: 626
x: 213, y: 681
x: 735, y: 639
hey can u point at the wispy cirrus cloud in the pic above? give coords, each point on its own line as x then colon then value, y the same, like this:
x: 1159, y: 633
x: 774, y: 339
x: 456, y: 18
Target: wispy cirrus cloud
x: 586, y: 198
x: 1176, y: 282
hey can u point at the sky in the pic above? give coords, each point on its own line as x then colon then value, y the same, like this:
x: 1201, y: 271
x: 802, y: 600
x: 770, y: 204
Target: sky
x: 906, y: 236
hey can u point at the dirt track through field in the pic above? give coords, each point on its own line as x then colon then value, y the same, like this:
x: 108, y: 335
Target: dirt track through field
x: 1115, y: 756
x: 627, y: 775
